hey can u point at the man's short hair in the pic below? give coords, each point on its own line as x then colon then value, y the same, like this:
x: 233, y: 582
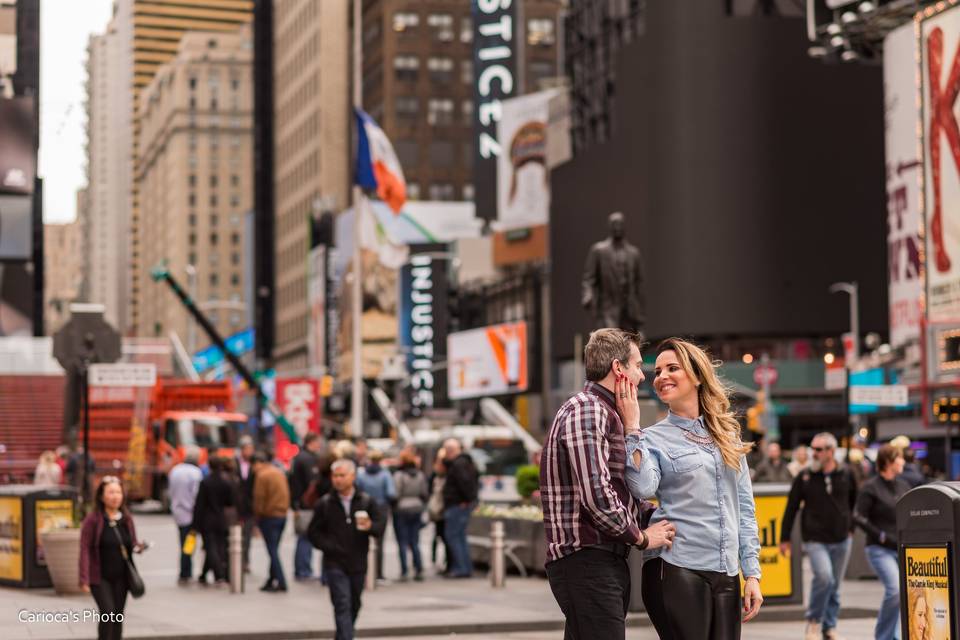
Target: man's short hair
x: 605, y: 346
x: 259, y: 456
x: 829, y: 438
x: 343, y: 463
x: 245, y: 441
x: 310, y: 438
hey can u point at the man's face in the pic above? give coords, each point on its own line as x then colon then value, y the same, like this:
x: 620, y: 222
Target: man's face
x: 451, y: 449
x: 247, y: 451
x: 616, y: 226
x: 822, y: 451
x: 632, y: 367
x: 773, y: 451
x: 342, y: 479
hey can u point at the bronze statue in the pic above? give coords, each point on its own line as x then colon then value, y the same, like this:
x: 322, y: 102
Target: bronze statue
x: 613, y: 282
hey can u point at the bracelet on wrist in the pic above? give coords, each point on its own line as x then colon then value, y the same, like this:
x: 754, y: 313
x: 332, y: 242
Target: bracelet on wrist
x: 644, y: 541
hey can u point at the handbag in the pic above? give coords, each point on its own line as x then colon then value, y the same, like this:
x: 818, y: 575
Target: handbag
x: 301, y: 521
x: 134, y: 581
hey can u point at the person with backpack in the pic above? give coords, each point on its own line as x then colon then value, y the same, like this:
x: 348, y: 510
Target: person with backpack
x: 828, y: 493
x: 376, y: 482
x: 412, y: 495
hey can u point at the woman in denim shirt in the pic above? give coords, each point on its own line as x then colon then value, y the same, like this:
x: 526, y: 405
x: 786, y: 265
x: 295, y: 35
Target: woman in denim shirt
x: 693, y: 462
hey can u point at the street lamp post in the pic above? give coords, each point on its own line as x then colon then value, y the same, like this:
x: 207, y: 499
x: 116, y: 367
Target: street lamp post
x: 192, y: 326
x: 852, y: 290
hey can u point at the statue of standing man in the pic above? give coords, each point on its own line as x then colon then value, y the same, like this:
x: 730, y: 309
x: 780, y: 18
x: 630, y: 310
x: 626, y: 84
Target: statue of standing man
x: 613, y: 282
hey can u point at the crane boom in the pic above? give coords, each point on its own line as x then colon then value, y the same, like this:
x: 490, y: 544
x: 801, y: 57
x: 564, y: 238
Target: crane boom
x: 162, y: 274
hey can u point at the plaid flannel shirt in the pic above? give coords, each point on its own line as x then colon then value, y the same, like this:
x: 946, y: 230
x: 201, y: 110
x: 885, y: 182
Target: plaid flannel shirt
x: 582, y: 488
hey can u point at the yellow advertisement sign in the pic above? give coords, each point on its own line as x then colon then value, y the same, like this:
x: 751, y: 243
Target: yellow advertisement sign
x: 52, y: 514
x: 927, y: 580
x: 775, y: 567
x: 11, y: 538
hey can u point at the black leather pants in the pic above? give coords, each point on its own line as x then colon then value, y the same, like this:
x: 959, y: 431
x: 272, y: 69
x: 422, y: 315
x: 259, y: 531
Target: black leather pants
x: 684, y: 604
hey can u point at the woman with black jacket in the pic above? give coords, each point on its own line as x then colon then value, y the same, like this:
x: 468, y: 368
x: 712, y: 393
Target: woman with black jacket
x: 106, y: 531
x: 215, y: 496
x: 876, y: 514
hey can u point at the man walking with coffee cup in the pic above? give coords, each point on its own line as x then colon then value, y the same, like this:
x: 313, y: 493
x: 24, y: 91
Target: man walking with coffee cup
x: 342, y: 524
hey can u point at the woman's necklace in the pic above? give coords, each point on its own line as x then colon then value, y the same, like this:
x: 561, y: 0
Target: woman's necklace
x: 704, y: 441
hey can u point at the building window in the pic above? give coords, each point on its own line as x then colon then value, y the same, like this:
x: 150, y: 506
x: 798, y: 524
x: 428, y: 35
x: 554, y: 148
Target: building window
x: 407, y: 152
x: 213, y: 199
x: 193, y: 219
x: 235, y: 279
x: 213, y: 219
x: 213, y: 180
x: 234, y: 220
x: 466, y: 71
x: 408, y: 107
x: 442, y: 24
x: 413, y: 191
x: 192, y: 180
x: 235, y: 83
x: 213, y: 239
x: 214, y: 281
x: 466, y: 29
x: 405, y: 21
x: 466, y: 111
x: 235, y: 238
x: 214, y: 258
x: 441, y: 69
x: 193, y: 241
x: 406, y: 67
x: 468, y: 192
x: 440, y: 111
x: 234, y: 180
x: 192, y: 82
x: 441, y: 191
x: 192, y: 259
x: 213, y: 103
x: 234, y: 200
x: 234, y: 319
x: 540, y: 32
x: 234, y: 258
x: 441, y: 153
x: 192, y: 199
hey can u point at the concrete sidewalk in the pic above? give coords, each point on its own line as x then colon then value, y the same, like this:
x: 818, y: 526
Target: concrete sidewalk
x: 434, y: 607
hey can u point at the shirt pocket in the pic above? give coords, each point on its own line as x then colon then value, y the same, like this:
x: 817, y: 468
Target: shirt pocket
x: 684, y: 459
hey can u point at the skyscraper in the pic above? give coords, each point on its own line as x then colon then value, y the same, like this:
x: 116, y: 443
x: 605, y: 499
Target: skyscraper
x: 194, y: 176
x: 158, y: 26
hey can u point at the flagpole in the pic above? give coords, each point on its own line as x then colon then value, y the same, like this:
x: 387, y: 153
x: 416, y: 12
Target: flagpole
x: 357, y: 392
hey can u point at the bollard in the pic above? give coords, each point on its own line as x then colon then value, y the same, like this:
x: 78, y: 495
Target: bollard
x: 235, y: 555
x: 370, y: 581
x: 497, y: 561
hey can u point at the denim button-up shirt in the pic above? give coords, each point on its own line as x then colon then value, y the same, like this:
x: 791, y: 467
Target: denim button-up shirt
x: 710, y: 503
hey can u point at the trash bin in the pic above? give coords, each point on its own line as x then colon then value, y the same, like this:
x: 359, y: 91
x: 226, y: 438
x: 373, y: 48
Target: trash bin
x: 25, y: 512
x: 928, y: 522
x: 782, y: 577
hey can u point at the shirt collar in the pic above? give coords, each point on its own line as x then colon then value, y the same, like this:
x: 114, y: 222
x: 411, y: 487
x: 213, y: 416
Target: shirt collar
x: 694, y: 425
x: 602, y: 392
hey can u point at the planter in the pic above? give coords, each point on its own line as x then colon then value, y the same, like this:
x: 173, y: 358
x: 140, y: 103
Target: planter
x: 61, y: 548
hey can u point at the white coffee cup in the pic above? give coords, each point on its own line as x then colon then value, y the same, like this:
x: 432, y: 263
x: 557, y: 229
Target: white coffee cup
x: 363, y: 520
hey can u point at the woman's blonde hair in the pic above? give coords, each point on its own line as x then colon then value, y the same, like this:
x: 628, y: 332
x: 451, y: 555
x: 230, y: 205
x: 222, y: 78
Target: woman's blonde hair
x: 914, y: 595
x: 713, y: 396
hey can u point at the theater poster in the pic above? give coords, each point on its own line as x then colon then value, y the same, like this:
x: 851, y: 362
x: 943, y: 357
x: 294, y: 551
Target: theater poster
x: 926, y: 586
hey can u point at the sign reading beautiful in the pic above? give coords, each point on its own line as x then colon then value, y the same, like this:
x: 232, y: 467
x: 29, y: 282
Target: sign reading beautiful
x: 925, y: 579
x: 940, y: 76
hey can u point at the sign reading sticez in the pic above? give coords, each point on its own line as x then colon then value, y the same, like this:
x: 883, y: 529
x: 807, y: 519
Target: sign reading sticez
x: 122, y: 375
x: 495, y: 53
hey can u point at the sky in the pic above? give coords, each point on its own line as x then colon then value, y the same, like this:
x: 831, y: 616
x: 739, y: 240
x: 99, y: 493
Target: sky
x: 65, y: 28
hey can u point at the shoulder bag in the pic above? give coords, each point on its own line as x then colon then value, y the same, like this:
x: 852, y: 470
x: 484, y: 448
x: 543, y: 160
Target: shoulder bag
x: 134, y: 581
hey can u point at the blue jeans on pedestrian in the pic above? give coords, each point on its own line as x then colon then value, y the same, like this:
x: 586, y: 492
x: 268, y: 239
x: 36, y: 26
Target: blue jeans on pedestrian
x: 303, y: 558
x: 345, y: 590
x: 456, y: 519
x: 272, y: 529
x: 186, y: 561
x: 407, y: 526
x: 884, y: 563
x: 828, y: 561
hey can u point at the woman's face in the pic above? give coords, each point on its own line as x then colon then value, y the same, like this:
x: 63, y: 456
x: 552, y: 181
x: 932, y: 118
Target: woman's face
x: 920, y: 617
x: 670, y: 381
x: 112, y: 496
x: 897, y: 465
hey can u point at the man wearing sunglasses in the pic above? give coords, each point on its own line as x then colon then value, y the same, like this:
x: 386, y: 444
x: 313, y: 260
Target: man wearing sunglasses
x: 827, y: 493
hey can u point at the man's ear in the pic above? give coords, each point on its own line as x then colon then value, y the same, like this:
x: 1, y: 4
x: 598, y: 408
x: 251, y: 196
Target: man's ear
x: 616, y: 367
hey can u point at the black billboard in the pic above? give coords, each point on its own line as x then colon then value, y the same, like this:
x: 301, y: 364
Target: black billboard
x: 18, y: 156
x: 495, y: 78
x: 750, y: 175
x: 423, y: 316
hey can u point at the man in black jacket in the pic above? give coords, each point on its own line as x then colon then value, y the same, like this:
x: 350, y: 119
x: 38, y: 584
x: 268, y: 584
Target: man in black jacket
x: 303, y: 470
x: 244, y: 464
x: 459, y: 499
x: 828, y: 493
x: 342, y: 524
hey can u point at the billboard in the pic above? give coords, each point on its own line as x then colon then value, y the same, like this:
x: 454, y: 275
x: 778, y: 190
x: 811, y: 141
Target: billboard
x: 490, y: 361
x: 423, y: 328
x: 11, y: 538
x: 495, y: 55
x: 904, y: 224
x: 523, y: 177
x: 299, y: 401
x: 18, y: 156
x: 939, y: 39
x: 926, y: 585
x: 16, y: 227
x: 16, y: 300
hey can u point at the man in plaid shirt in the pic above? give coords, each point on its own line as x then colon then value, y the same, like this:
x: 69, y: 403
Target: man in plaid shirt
x: 590, y: 518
